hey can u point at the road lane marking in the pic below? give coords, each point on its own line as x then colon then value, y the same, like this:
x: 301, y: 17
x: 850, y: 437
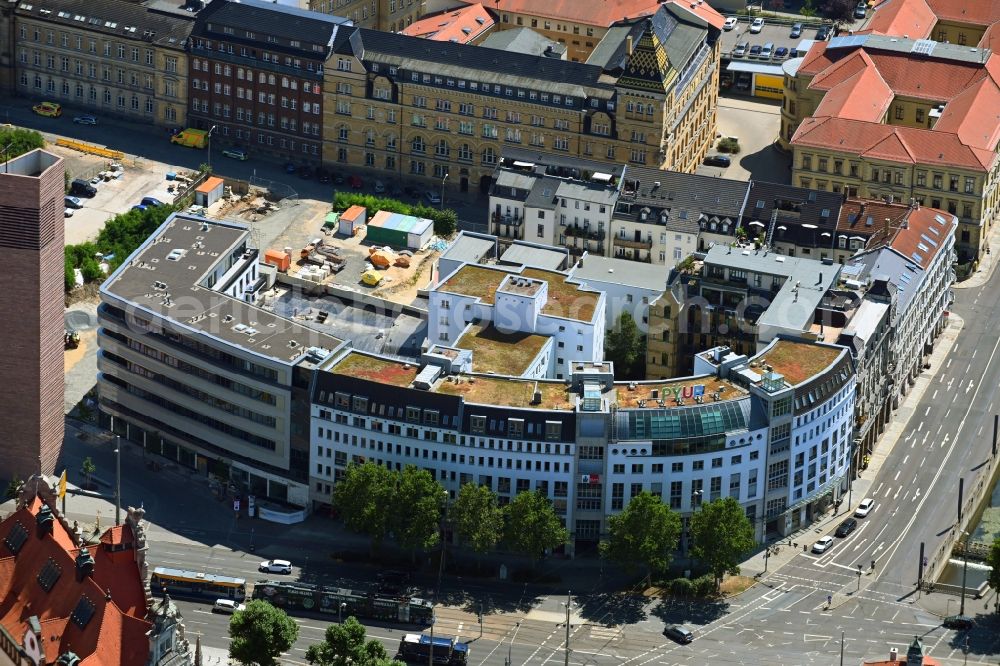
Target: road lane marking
x: 920, y: 427
x: 898, y: 490
x: 906, y: 458
x: 898, y: 472
x: 941, y: 467
x: 927, y: 411
x: 934, y: 397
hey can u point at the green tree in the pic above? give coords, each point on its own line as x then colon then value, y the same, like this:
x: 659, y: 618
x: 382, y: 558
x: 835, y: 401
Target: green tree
x: 721, y: 534
x: 993, y: 559
x: 416, y: 509
x: 88, y: 468
x: 345, y: 645
x: 13, y: 488
x: 364, y: 499
x: 644, y: 534
x: 69, y: 276
x: 19, y: 141
x: 478, y: 517
x: 839, y: 11
x: 260, y: 633
x: 625, y: 347
x: 531, y: 525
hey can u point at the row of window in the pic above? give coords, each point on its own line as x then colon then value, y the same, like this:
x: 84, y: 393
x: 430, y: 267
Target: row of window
x: 247, y: 52
x: 894, y: 176
x: 123, y: 102
x: 132, y: 53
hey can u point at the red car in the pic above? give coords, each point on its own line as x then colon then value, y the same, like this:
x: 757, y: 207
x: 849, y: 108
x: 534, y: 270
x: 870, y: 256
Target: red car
x: 356, y: 182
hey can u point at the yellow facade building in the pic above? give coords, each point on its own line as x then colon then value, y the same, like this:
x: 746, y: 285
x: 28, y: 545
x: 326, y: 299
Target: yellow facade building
x: 898, y: 119
x: 902, y: 111
x: 411, y: 108
x: 113, y: 58
x: 386, y: 15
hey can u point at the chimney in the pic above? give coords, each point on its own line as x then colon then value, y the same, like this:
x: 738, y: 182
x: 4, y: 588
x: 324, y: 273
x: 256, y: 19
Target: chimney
x: 893, y: 654
x: 887, y: 221
x: 84, y: 564
x: 628, y: 44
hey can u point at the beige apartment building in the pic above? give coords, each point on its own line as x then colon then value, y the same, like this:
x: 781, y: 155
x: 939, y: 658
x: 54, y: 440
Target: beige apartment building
x: 115, y: 58
x: 385, y: 15
x: 880, y: 117
x: 446, y: 111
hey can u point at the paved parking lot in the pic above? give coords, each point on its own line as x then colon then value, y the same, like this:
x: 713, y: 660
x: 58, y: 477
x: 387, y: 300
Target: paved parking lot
x: 778, y: 34
x: 755, y: 122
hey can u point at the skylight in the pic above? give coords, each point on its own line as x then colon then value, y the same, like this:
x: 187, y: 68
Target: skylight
x: 49, y: 574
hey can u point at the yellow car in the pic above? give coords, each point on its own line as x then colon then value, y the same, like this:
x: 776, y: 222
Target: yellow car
x: 50, y: 109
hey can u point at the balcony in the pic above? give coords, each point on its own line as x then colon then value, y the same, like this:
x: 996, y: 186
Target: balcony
x: 574, y: 231
x: 634, y: 244
x: 509, y: 220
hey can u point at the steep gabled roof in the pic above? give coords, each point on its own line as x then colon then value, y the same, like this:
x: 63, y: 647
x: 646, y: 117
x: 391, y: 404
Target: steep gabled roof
x: 974, y: 115
x: 913, y: 18
x: 600, y: 13
x: 461, y: 25
x: 976, y: 12
x: 910, y: 145
x: 81, y: 613
x: 863, y: 96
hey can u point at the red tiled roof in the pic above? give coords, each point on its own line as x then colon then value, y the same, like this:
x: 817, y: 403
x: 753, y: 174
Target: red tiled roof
x: 113, y: 636
x: 461, y: 25
x: 863, y: 96
x: 991, y: 38
x: 913, y: 18
x: 816, y: 59
x: 855, y: 215
x: 890, y: 142
x: 976, y: 12
x: 927, y: 78
x: 839, y: 71
x: 974, y: 115
x: 921, y: 238
x: 703, y: 11
x: 585, y: 12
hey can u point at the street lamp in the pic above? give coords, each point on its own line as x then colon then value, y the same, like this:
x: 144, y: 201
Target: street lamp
x: 965, y: 571
x: 251, y: 540
x: 569, y: 608
x: 340, y: 612
x: 510, y: 645
x: 444, y: 178
x: 118, y: 480
x: 210, y: 147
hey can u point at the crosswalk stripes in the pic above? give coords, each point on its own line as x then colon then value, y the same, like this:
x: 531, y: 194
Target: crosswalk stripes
x: 606, y: 633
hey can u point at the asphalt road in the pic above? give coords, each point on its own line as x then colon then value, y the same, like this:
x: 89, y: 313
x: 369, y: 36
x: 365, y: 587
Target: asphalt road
x: 153, y: 144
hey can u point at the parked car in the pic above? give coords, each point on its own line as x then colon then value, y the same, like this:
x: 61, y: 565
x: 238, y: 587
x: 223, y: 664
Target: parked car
x: 755, y: 50
x: 49, y: 109
x: 379, y: 187
x: 861, y: 10
x: 289, y: 168
x: 432, y: 197
x: 781, y: 53
x: 767, y: 50
x: 793, y: 52
x: 73, y: 202
x: 356, y: 182
x: 757, y: 25
x: 865, y: 507
x: 235, y: 154
x: 82, y: 188
x: 227, y: 606
x: 717, y: 161
x: 151, y: 201
x: 796, y: 30
x: 823, y: 33
x: 68, y: 212
x: 958, y: 622
x: 322, y: 175
x: 846, y: 527
x: 730, y: 23
x: 411, y: 191
x: 139, y: 207
x: 823, y: 544
x: 679, y: 633
x: 85, y: 120
x: 275, y: 566
x: 305, y: 172
x: 740, y: 50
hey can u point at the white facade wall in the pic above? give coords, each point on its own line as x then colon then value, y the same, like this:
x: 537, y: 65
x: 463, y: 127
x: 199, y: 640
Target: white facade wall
x: 738, y: 470
x: 821, y: 445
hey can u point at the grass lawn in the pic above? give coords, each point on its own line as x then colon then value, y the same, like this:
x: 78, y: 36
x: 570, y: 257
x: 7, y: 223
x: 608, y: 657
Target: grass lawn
x: 376, y: 369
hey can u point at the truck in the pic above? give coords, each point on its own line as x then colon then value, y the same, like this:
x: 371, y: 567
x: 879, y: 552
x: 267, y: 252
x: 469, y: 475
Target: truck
x: 192, y: 138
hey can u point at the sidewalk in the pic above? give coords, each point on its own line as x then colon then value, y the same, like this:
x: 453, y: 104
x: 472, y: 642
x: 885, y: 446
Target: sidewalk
x: 791, y: 545
x: 987, y: 265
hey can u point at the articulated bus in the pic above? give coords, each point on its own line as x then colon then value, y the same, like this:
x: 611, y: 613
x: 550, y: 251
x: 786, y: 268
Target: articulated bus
x: 179, y: 583
x: 447, y: 651
x: 306, y: 598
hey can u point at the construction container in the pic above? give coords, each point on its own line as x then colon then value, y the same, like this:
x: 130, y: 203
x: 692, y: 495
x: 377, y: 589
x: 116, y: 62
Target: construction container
x: 398, y: 230
x: 278, y: 259
x: 352, y: 219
